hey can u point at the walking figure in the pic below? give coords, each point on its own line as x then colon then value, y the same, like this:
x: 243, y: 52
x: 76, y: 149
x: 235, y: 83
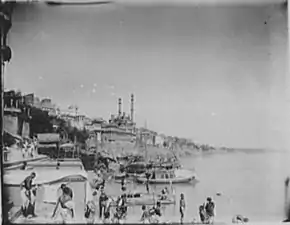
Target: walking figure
x: 145, y: 217
x: 102, y: 203
x: 28, y: 195
x: 67, y: 207
x: 287, y: 202
x: 148, y: 175
x: 210, y: 210
x: 202, y: 213
x: 182, y: 207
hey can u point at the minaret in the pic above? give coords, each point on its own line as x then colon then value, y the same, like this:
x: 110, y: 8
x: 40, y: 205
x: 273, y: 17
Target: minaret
x: 120, y: 107
x: 132, y: 107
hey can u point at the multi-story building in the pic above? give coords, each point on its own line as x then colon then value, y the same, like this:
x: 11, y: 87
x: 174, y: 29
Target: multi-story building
x: 72, y: 116
x: 47, y: 105
x: 159, y: 140
x: 95, y: 127
x: 147, y: 136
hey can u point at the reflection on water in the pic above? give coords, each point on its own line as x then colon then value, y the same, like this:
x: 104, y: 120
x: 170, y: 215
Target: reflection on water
x: 250, y: 184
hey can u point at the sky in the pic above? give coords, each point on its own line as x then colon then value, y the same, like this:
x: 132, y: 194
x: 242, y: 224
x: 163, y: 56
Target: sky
x: 216, y: 74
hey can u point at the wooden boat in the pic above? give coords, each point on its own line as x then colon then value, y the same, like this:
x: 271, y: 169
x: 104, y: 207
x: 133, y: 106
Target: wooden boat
x: 168, y: 176
x: 164, y: 165
x: 136, y: 168
x: 140, y: 167
x: 139, y: 198
x: 120, y: 176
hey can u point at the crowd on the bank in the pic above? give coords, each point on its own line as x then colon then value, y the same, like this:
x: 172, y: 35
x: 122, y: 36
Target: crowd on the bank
x: 100, y: 208
x: 103, y: 208
x: 28, y: 148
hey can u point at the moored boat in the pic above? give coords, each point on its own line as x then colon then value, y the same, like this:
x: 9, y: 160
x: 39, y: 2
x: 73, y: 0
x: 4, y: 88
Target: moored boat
x: 139, y: 198
x: 173, y: 176
x: 120, y: 176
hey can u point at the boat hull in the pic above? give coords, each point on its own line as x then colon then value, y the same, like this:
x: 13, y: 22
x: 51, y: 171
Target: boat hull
x: 120, y: 176
x: 181, y: 176
x: 147, y: 199
x: 166, y: 181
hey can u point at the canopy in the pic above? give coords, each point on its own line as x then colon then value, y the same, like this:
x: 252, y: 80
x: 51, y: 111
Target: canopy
x: 43, y: 176
x: 67, y: 145
x: 48, y: 138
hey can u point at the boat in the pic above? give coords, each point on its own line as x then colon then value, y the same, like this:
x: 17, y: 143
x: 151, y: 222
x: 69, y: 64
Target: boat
x: 141, y: 198
x: 164, y: 165
x: 120, y: 176
x: 50, y: 175
x: 164, y: 176
x: 134, y: 169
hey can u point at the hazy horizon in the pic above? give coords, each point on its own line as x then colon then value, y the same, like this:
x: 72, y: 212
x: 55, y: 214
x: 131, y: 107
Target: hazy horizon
x: 213, y: 74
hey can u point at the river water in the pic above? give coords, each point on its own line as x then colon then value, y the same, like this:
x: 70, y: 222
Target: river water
x: 250, y: 183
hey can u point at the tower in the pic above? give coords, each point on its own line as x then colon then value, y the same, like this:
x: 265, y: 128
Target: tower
x: 132, y: 107
x: 120, y: 107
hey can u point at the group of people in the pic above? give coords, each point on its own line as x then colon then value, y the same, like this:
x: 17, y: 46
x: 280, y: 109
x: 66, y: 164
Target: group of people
x: 29, y: 147
x: 151, y: 215
x: 64, y: 204
x: 207, y: 211
x: 105, y: 202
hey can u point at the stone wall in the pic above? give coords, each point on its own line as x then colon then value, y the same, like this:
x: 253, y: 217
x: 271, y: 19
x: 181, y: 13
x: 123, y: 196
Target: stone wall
x: 25, y: 129
x: 11, y: 124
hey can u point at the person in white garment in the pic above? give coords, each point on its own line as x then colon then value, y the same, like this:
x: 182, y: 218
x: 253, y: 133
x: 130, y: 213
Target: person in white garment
x: 65, y: 205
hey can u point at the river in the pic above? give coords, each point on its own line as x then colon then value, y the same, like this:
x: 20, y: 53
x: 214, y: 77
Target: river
x: 250, y: 183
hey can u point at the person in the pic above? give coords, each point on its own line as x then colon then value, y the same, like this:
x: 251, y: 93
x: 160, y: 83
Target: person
x: 122, y: 205
x: 6, y: 152
x: 35, y: 142
x: 155, y: 213
x: 67, y: 190
x: 182, y: 207
x: 202, y: 213
x: 98, y: 180
x: 90, y: 212
x: 23, y: 148
x: 30, y: 149
x: 148, y: 175
x: 107, y: 210
x: 145, y: 215
x: 240, y: 219
x: 121, y: 209
x: 102, y: 202
x: 23, y: 167
x: 164, y: 193
x: 28, y: 195
x: 123, y: 183
x: 287, y: 203
x: 65, y: 201
x: 210, y: 210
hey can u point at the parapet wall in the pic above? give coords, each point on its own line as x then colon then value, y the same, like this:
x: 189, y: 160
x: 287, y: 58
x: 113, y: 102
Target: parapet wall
x: 11, y: 125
